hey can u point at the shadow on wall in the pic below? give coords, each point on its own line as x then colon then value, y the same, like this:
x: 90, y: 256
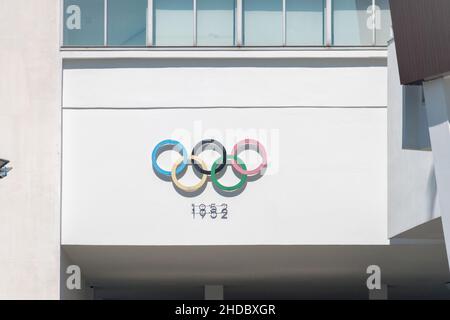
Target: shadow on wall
x: 415, y: 123
x: 223, y: 63
x: 432, y: 194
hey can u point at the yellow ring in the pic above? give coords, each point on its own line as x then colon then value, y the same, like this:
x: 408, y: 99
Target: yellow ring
x: 196, y: 186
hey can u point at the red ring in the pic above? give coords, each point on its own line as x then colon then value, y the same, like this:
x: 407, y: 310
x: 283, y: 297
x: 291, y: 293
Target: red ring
x: 261, y: 151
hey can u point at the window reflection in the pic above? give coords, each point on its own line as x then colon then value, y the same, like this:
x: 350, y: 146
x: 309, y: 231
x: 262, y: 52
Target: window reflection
x: 173, y: 23
x: 127, y: 22
x: 215, y: 22
x: 352, y: 22
x: 304, y: 22
x: 83, y: 22
x: 263, y: 22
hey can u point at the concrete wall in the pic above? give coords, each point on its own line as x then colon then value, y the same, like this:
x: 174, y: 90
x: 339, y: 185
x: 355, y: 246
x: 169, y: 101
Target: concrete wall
x: 412, y: 183
x: 29, y: 137
x: 323, y: 122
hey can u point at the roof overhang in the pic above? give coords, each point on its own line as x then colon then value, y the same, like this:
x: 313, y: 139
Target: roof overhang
x: 422, y: 38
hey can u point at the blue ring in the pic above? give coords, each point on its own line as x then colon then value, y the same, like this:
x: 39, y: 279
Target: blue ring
x: 178, y: 147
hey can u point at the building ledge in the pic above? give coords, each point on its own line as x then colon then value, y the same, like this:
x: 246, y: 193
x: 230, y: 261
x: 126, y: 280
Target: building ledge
x: 225, y: 53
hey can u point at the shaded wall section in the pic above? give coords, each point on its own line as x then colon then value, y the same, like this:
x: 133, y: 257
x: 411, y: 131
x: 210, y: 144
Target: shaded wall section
x: 412, y: 191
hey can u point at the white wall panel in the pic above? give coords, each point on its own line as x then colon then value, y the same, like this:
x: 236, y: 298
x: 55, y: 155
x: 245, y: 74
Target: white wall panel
x: 327, y: 182
x: 225, y: 82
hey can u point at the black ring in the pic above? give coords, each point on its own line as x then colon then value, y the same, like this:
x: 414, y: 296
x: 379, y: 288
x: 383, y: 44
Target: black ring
x: 201, y: 146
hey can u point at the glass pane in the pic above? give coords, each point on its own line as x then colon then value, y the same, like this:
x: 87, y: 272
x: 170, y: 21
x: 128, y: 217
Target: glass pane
x: 173, y: 23
x: 383, y: 22
x: 215, y: 22
x: 127, y: 22
x: 263, y: 22
x: 352, y: 22
x: 83, y: 22
x: 304, y: 22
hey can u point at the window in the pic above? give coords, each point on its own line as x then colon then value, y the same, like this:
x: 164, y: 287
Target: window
x: 225, y: 23
x: 359, y: 23
x: 263, y: 22
x: 83, y: 22
x: 383, y: 23
x: 305, y: 22
x: 127, y: 22
x: 215, y: 22
x: 173, y: 22
x: 352, y: 22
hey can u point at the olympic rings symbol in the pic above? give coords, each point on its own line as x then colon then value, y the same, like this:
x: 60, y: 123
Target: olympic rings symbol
x: 200, y: 166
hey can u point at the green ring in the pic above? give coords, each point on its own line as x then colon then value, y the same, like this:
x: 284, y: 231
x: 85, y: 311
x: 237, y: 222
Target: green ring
x: 221, y: 186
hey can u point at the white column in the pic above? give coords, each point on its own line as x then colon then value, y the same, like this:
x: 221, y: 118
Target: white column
x: 379, y: 294
x: 239, y: 22
x: 105, y: 24
x: 213, y: 292
x: 284, y: 22
x: 437, y: 100
x: 194, y: 5
x: 149, y: 23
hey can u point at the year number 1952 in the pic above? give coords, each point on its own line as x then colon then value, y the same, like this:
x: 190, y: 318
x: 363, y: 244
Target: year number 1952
x: 212, y: 211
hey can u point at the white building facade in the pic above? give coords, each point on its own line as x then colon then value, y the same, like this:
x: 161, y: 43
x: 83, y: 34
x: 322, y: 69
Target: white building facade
x: 347, y: 184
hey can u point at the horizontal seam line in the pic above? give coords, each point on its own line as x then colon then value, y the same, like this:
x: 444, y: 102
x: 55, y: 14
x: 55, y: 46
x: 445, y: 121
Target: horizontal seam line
x: 224, y: 107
